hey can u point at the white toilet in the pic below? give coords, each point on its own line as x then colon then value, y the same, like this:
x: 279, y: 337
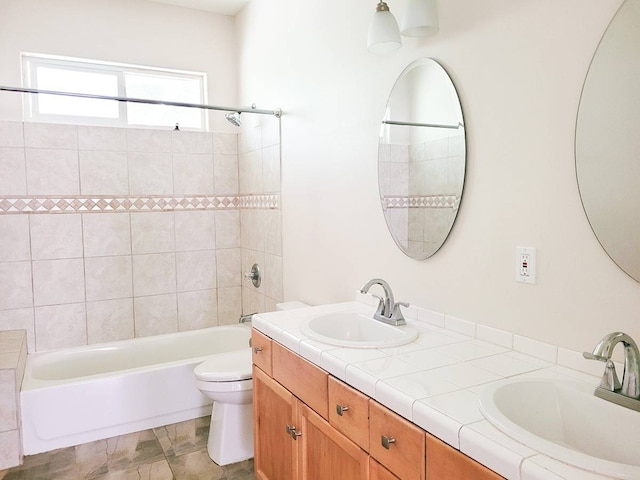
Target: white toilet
x: 226, y: 379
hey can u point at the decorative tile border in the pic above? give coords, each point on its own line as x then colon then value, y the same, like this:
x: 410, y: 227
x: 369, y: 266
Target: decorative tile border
x: 103, y: 204
x: 417, y: 201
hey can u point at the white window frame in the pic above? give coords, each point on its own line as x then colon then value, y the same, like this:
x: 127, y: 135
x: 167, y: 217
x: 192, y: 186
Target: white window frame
x: 30, y: 61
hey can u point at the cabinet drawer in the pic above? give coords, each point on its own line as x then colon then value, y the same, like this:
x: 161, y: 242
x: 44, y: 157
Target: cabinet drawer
x: 349, y: 412
x: 444, y: 461
x: 396, y: 443
x: 261, y: 351
x: 303, y: 379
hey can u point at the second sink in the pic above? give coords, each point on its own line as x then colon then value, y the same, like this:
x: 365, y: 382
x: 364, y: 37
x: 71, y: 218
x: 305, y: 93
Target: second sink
x: 356, y: 330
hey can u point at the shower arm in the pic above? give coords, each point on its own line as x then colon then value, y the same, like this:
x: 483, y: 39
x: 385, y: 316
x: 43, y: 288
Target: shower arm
x: 276, y: 113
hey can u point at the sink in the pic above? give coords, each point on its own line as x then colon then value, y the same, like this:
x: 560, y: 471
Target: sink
x: 356, y: 330
x: 564, y: 420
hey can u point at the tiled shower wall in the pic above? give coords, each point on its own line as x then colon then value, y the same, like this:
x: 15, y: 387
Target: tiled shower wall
x: 109, y: 234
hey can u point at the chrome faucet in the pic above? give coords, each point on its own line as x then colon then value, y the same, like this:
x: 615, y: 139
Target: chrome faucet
x: 388, y: 310
x: 626, y: 393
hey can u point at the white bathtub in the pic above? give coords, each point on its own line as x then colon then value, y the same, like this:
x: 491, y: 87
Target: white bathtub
x: 82, y: 394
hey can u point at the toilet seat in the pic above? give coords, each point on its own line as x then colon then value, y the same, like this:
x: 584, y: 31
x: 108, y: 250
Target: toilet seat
x: 226, y: 367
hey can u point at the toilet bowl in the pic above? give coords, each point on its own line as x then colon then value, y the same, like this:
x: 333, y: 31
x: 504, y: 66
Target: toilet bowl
x: 226, y: 379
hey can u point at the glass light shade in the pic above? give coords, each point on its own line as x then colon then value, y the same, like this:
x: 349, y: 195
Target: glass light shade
x: 384, y: 34
x: 420, y: 19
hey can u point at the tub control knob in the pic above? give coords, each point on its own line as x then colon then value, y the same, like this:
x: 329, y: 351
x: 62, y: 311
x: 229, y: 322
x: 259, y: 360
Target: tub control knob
x: 255, y: 275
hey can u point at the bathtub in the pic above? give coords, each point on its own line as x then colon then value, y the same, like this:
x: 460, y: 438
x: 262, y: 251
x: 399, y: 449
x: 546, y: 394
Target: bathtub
x: 88, y: 393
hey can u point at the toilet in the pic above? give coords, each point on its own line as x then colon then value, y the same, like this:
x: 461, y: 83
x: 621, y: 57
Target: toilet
x: 226, y: 379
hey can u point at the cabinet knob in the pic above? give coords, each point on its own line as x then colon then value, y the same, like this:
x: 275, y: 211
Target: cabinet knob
x: 257, y: 349
x: 340, y: 409
x: 387, y: 441
x: 291, y: 430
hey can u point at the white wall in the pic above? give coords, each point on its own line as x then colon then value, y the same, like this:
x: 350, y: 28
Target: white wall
x: 519, y: 69
x: 127, y: 31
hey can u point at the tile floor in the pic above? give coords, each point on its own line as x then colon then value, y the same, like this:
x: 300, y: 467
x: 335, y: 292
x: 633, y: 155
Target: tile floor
x: 172, y: 452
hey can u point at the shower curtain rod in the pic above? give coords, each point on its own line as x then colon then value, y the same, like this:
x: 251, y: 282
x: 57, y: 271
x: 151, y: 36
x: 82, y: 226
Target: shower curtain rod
x: 410, y: 124
x: 276, y: 113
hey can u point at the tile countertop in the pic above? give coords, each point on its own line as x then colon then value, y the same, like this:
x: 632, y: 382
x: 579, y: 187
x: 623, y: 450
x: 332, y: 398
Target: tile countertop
x: 435, y: 383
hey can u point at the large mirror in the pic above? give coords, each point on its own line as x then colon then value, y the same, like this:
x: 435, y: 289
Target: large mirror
x: 608, y: 142
x: 421, y: 158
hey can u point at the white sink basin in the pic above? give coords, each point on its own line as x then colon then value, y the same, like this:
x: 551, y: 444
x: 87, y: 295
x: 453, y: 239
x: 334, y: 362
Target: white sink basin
x: 356, y: 330
x: 564, y: 420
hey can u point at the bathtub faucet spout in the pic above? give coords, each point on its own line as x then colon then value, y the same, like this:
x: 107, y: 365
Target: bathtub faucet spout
x: 246, y: 318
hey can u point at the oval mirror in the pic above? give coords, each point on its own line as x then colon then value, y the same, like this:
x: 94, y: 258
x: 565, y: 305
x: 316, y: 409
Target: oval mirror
x: 608, y: 143
x: 421, y: 158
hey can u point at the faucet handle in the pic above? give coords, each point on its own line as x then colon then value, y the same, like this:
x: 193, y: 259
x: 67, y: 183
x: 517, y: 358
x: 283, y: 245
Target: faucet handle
x: 610, y: 378
x: 591, y: 356
x: 396, y: 314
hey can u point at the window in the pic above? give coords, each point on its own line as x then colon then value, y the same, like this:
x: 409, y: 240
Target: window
x: 44, y: 72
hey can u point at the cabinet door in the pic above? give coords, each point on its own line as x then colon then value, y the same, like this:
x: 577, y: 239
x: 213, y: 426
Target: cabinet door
x: 447, y: 463
x: 326, y: 454
x: 274, y: 408
x: 378, y: 472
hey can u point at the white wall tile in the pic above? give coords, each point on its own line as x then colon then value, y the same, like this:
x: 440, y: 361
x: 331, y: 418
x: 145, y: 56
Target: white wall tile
x: 271, y: 169
x: 227, y: 228
x: 11, y: 134
x: 429, y: 316
x: 48, y: 135
x: 493, y: 335
x: 192, y: 174
x: 225, y: 143
x: 57, y: 282
x: 56, y: 236
x: 13, y: 180
x: 20, y: 319
x: 192, y: 142
x: 196, y: 230
x: 15, y: 285
x: 150, y: 173
x: 106, y: 234
x: 196, y: 270
x: 103, y: 173
x: 250, y: 136
x: 270, y: 131
x: 8, y: 410
x: 60, y: 326
x: 272, y: 232
x: 154, y: 274
x: 225, y: 171
x: 14, y: 238
x: 460, y: 326
x: 148, y: 140
x: 152, y: 232
x: 52, y: 172
x: 108, y: 278
x: 252, y: 228
x: 228, y: 266
x: 102, y: 138
x: 155, y: 315
x: 250, y: 172
x: 110, y: 320
x: 197, y: 310
x: 229, y: 305
x: 272, y: 277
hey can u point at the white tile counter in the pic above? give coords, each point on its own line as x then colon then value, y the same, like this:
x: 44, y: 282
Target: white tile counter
x: 436, y: 380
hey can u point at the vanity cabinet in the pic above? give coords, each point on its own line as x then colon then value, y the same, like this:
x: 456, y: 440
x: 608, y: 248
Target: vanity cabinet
x: 311, y: 426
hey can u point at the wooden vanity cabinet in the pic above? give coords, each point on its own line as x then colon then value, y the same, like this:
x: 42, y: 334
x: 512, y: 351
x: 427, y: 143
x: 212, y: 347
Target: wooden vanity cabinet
x: 310, y: 426
x: 292, y: 440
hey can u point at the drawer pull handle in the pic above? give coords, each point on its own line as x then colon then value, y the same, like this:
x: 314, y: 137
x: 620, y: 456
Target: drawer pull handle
x: 257, y: 349
x: 340, y: 409
x: 387, y: 441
